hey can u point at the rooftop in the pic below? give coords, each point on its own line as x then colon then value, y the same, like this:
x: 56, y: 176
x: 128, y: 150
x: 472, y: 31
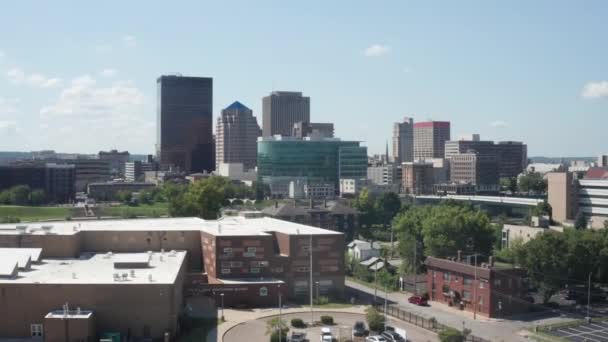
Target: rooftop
x: 94, y: 268
x: 231, y: 226
x: 244, y: 281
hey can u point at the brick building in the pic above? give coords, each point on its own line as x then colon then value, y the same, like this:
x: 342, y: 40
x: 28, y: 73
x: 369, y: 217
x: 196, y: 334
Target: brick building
x: 135, y: 277
x: 458, y: 281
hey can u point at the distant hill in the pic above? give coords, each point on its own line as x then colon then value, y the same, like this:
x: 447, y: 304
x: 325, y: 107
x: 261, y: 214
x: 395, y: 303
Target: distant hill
x: 557, y: 160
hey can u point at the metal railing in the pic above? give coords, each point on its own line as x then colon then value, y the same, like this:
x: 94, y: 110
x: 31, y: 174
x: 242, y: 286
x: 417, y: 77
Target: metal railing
x: 419, y: 321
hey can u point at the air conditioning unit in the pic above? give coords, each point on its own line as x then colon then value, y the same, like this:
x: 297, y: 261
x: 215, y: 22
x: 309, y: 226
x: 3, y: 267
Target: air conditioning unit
x: 21, y: 228
x: 47, y: 228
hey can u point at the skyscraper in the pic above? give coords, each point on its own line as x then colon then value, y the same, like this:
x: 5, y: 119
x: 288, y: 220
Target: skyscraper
x: 184, y: 123
x: 237, y: 132
x: 430, y: 138
x: 281, y: 110
x: 403, y: 140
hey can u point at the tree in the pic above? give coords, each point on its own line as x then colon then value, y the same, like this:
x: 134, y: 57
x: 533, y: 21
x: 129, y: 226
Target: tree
x: 20, y: 195
x: 532, y: 182
x: 375, y: 320
x: 5, y: 197
x: 272, y: 328
x: 513, y: 254
x: 509, y: 184
x: 581, y: 221
x: 124, y: 196
x: 365, y: 204
x: 204, y: 198
x: 542, y: 209
x: 38, y: 197
x: 387, y: 206
x: 544, y: 262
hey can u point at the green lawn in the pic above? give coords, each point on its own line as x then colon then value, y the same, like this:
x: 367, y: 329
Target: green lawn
x: 152, y: 210
x: 26, y: 214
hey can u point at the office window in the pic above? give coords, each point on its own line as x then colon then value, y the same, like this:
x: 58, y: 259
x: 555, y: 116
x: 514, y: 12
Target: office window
x: 467, y: 281
x: 446, y: 289
x: 236, y: 264
x: 466, y: 295
x: 255, y: 270
x: 263, y: 263
x: 251, y: 249
x: 496, y: 282
x: 446, y: 276
x: 482, y: 284
x: 480, y: 300
x: 228, y: 250
x: 225, y: 271
x: 36, y: 330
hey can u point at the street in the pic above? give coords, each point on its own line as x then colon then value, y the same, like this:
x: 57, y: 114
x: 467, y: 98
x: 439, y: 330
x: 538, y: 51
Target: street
x: 490, y: 329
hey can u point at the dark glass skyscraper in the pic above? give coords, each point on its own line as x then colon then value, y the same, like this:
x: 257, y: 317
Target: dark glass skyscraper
x: 185, y: 123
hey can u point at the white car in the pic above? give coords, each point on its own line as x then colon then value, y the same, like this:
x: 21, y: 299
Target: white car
x: 326, y: 335
x: 376, y: 338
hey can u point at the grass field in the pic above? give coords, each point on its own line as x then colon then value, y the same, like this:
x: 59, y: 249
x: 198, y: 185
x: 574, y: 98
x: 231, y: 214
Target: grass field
x: 154, y: 210
x: 27, y: 214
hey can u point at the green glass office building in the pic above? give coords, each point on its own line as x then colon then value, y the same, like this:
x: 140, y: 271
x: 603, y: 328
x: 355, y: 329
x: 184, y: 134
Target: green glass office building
x: 283, y: 159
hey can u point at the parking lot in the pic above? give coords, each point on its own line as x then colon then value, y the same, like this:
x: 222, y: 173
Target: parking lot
x: 594, y: 332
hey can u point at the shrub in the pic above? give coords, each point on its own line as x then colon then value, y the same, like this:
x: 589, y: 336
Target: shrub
x: 298, y: 323
x: 327, y: 320
x: 322, y: 300
x: 451, y: 335
x: 375, y: 320
x: 274, y: 337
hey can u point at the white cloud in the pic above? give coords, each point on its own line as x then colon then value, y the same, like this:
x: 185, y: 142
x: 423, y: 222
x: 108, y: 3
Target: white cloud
x: 108, y: 72
x: 594, y: 90
x: 18, y: 76
x: 129, y: 41
x: 377, y: 50
x: 83, y: 99
x: 499, y: 124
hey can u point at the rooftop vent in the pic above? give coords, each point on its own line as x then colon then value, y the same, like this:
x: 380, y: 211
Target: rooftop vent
x: 150, y: 278
x: 173, y: 253
x: 132, y: 273
x: 108, y: 255
x: 47, y: 228
x: 21, y: 228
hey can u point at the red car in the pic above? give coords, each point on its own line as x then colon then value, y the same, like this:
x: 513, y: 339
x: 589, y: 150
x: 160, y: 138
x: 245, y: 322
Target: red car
x: 418, y: 300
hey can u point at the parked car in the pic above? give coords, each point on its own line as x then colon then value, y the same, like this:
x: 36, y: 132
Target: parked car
x: 418, y: 300
x: 298, y: 336
x: 392, y: 336
x: 398, y: 331
x: 359, y: 329
x: 326, y: 335
x: 376, y: 338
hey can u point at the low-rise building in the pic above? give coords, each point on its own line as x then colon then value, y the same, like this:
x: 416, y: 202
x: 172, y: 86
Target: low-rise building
x: 108, y: 191
x: 418, y: 178
x: 511, y: 232
x: 485, y: 288
x: 362, y: 250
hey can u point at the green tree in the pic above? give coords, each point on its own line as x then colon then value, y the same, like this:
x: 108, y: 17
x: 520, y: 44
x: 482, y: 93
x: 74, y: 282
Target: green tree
x: 581, y: 221
x: 272, y: 328
x: 375, y: 320
x: 5, y: 197
x: 387, y: 207
x: 543, y: 259
x: 509, y: 184
x: 532, y: 182
x: 124, y: 196
x: 20, y: 195
x: 513, y: 254
x: 38, y: 197
x: 366, y: 205
x: 204, y: 198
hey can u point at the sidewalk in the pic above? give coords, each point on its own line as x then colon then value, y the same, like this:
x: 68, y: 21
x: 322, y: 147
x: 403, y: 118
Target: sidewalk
x: 235, y: 317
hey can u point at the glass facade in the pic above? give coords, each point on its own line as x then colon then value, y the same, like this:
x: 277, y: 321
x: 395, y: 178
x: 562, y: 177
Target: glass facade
x: 319, y: 161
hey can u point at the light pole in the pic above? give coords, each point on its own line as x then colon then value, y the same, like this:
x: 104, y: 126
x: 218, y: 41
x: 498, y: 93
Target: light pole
x: 222, y: 295
x: 312, y: 315
x: 280, y: 307
x: 589, y: 296
x: 475, y: 285
x: 375, y: 282
x: 317, y: 283
x: 385, y: 299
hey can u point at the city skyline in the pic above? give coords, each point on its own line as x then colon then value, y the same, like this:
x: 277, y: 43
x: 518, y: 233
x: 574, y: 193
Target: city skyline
x: 509, y: 72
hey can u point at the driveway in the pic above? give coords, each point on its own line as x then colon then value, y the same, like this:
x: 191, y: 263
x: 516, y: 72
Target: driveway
x: 255, y: 330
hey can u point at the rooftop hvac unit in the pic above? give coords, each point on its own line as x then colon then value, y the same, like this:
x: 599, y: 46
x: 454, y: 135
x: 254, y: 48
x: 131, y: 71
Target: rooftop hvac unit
x: 21, y: 228
x: 108, y: 255
x: 132, y: 273
x: 47, y: 228
x: 173, y: 253
x: 125, y: 276
x: 149, y: 277
x: 116, y: 277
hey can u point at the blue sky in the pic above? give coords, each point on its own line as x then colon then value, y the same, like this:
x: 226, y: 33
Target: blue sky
x: 79, y: 76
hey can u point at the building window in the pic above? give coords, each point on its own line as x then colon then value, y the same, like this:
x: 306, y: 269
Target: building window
x: 445, y: 289
x: 255, y: 270
x: 446, y: 276
x: 434, y: 274
x: 510, y: 282
x: 497, y: 282
x: 467, y: 281
x: 482, y: 284
x: 263, y: 263
x: 36, y: 330
x: 251, y: 249
x: 302, y: 269
x: 466, y: 295
x: 480, y: 300
x: 226, y: 263
x: 236, y: 264
x: 249, y: 254
x: 225, y: 271
x: 228, y: 250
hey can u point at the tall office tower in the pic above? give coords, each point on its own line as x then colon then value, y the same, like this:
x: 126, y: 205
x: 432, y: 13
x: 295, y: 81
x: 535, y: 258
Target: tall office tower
x: 313, y: 129
x: 237, y: 133
x: 117, y: 161
x: 281, y: 110
x: 512, y: 158
x: 430, y: 138
x: 184, y: 123
x: 403, y: 141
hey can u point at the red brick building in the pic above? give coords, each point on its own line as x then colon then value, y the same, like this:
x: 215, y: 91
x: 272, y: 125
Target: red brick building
x: 488, y: 289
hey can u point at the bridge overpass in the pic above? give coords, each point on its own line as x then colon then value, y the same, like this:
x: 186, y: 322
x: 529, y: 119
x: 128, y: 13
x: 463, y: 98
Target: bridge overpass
x: 515, y: 207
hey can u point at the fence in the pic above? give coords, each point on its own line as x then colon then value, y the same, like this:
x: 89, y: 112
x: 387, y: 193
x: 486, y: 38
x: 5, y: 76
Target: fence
x: 419, y: 321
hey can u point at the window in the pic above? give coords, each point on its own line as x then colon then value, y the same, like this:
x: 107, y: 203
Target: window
x: 225, y: 263
x: 249, y: 254
x: 496, y: 282
x: 467, y: 281
x: 302, y: 269
x: 446, y: 276
x: 263, y: 263
x: 510, y: 282
x: 445, y: 289
x: 251, y: 249
x: 225, y: 271
x: 434, y: 274
x: 36, y: 330
x: 466, y: 295
x: 228, y: 250
x: 236, y: 264
x: 480, y: 300
x: 255, y: 270
x: 482, y: 284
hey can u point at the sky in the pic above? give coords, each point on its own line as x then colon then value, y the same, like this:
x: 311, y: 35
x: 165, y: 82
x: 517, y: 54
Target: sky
x: 80, y: 76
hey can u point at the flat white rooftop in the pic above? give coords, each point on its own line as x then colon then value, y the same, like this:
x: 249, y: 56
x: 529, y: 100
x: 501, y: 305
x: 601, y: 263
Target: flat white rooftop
x: 99, y: 269
x: 226, y: 226
x: 243, y: 281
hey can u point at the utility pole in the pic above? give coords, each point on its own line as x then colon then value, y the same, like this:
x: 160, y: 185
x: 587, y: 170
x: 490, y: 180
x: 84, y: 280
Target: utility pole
x: 375, y: 282
x: 280, y: 322
x: 589, y: 296
x: 475, y: 285
x: 415, y: 267
x: 312, y: 315
x: 385, y: 299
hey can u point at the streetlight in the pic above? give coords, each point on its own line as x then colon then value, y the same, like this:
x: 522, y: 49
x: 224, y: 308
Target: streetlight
x: 280, y: 306
x: 317, y: 283
x: 222, y: 295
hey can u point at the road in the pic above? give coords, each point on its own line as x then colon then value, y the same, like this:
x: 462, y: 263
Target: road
x: 255, y: 330
x: 490, y: 329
